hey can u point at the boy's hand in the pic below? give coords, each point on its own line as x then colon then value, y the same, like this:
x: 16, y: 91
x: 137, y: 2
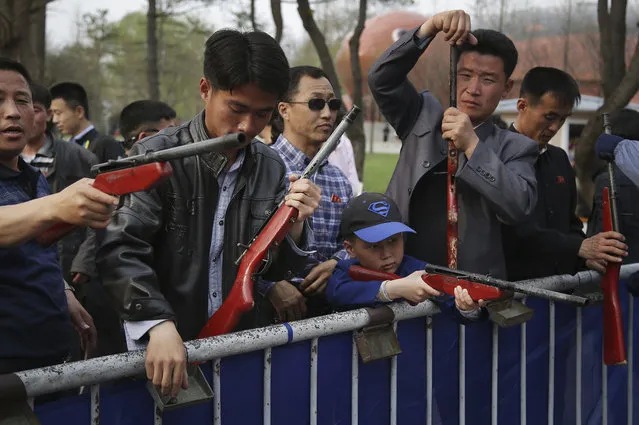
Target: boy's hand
x: 412, y: 288
x: 464, y: 302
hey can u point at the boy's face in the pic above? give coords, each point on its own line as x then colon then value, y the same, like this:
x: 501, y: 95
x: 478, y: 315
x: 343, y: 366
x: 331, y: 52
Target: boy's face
x: 384, y: 256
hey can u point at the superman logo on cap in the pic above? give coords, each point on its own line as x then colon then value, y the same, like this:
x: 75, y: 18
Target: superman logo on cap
x: 380, y: 208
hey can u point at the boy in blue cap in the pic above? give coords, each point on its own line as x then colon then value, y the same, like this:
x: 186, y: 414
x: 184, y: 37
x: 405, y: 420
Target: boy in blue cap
x: 372, y: 229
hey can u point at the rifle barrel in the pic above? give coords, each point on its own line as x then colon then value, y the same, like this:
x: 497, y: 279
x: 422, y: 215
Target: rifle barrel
x: 331, y: 143
x: 216, y: 144
x: 509, y: 286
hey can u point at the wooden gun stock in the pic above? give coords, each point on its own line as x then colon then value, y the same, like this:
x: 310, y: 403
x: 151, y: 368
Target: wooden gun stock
x: 613, y: 335
x: 118, y: 182
x: 240, y: 299
x: 442, y: 283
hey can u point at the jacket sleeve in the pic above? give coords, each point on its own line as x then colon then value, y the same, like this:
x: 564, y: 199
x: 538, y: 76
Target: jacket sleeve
x: 341, y: 290
x: 627, y: 159
x: 125, y: 258
x: 395, y: 95
x: 509, y: 185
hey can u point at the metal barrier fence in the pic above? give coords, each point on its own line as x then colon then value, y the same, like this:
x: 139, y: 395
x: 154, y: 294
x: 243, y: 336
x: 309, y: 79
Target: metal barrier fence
x: 546, y: 371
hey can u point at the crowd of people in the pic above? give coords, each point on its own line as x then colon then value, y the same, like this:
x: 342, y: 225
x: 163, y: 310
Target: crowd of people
x: 148, y: 269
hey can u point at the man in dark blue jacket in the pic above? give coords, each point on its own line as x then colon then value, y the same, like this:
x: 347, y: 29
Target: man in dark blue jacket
x: 34, y: 323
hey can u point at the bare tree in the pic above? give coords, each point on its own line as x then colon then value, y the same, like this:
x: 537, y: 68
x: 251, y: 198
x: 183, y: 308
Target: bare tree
x: 153, y: 72
x: 22, y: 33
x: 306, y: 14
x: 276, y: 10
x: 356, y: 133
x: 619, y: 86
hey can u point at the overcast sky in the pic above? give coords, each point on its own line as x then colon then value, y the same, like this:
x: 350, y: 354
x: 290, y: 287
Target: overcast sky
x: 62, y: 14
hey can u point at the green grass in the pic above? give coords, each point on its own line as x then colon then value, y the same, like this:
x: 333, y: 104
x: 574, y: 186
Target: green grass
x: 378, y: 169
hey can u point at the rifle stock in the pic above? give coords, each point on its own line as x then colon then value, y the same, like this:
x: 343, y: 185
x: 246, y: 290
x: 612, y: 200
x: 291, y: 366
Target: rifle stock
x: 119, y: 182
x: 442, y: 283
x: 240, y: 299
x: 613, y: 334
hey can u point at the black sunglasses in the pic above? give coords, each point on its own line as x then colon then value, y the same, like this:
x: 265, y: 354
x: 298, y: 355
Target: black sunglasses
x: 318, y: 104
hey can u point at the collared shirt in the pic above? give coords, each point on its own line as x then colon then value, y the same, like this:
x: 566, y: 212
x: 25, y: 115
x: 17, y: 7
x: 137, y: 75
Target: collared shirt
x: 78, y: 137
x: 336, y: 192
x: 226, y: 182
x: 44, y: 159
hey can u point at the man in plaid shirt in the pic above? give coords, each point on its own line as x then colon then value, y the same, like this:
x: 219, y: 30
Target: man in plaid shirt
x: 308, y: 113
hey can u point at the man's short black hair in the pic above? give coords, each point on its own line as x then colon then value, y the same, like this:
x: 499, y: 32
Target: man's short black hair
x: 41, y: 95
x: 143, y: 112
x: 625, y: 123
x: 541, y: 80
x: 296, y: 74
x: 495, y: 43
x: 73, y: 94
x: 233, y: 59
x: 7, y: 64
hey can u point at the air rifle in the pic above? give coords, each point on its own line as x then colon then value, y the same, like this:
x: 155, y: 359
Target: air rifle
x: 142, y: 172
x: 614, y: 348
x: 479, y: 286
x: 268, y: 237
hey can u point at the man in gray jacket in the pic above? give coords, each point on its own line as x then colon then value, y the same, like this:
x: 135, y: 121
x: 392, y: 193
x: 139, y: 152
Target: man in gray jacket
x: 495, y: 177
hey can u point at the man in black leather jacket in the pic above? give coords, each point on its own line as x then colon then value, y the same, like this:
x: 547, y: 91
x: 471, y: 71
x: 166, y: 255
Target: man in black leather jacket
x: 169, y: 254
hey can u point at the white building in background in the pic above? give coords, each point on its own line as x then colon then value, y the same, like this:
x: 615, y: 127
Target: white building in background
x: 589, y: 105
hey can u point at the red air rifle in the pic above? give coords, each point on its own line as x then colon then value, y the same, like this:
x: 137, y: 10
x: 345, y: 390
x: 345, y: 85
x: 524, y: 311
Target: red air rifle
x: 479, y: 286
x: 269, y: 237
x: 442, y: 283
x: 614, y: 347
x: 142, y: 172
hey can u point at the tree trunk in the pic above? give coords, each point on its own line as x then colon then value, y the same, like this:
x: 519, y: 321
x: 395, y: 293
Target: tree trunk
x: 253, y: 23
x: 356, y: 133
x: 306, y: 14
x: 276, y: 9
x: 612, y: 43
x: 585, y: 160
x: 152, y: 71
x: 15, y: 16
x: 37, y: 41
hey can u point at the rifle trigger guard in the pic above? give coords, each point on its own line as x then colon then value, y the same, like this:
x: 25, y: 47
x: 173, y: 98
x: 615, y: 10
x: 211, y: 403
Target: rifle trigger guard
x: 267, y: 263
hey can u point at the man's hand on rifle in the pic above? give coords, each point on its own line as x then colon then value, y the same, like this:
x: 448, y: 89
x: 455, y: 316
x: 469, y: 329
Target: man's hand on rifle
x: 83, y: 205
x: 411, y: 288
x: 315, y: 282
x: 602, y: 248
x: 455, y: 24
x: 305, y: 196
x: 456, y: 126
x: 288, y: 301
x: 166, y: 359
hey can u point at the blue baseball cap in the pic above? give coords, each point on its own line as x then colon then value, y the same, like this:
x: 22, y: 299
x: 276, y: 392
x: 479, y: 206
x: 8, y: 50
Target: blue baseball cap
x: 372, y: 217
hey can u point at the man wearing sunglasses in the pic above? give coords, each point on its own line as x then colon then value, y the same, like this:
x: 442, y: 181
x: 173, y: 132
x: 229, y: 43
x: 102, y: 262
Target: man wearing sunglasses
x: 307, y: 117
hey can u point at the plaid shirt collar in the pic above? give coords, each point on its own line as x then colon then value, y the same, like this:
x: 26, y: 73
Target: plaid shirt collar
x: 295, y: 158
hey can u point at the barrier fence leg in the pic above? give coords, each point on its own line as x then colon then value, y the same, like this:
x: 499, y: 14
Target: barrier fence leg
x: 522, y: 373
x: 495, y: 377
x: 429, y: 370
x: 393, y: 385
x: 578, y: 357
x: 313, y: 408
x: 354, y: 382
x: 462, y: 375
x: 267, y: 386
x: 551, y: 365
x: 217, y: 393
